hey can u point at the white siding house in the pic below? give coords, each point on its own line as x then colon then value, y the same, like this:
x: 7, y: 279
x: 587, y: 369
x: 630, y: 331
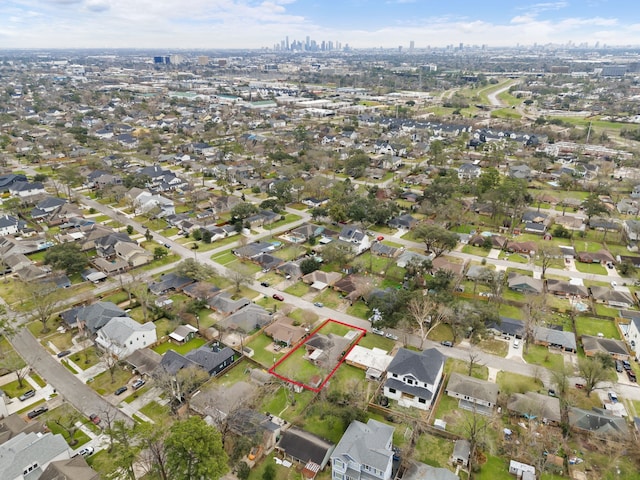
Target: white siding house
x: 122, y: 336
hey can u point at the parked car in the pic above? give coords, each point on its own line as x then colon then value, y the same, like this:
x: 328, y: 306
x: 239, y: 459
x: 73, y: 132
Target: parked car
x: 319, y: 304
x: 551, y: 392
x: 94, y: 418
x: 626, y: 365
x: 264, y: 284
x: 391, y: 336
x: 612, y: 396
x: 121, y: 390
x: 516, y: 344
x: 138, y: 383
x: 579, y: 386
x: 27, y: 394
x: 37, y: 411
x: 166, y: 245
x: 63, y: 353
x: 86, y: 451
x: 377, y: 331
x: 619, y: 366
x: 278, y: 297
x: 632, y: 376
x: 379, y: 238
x: 446, y: 343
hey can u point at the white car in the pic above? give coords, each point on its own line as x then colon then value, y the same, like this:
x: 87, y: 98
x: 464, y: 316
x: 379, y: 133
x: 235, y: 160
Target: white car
x: 86, y: 451
x: 391, y: 336
x: 377, y: 332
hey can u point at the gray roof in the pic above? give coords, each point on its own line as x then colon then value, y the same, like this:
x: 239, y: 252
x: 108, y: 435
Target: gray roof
x: 424, y: 366
x: 27, y: 448
x: 119, y: 329
x: 305, y: 446
x: 248, y: 318
x: 597, y: 421
x: 98, y: 314
x: 75, y: 468
x: 605, y: 345
x: 551, y: 336
x: 366, y: 444
x: 473, y: 387
x: 172, y: 362
x: 421, y: 471
x: 535, y: 405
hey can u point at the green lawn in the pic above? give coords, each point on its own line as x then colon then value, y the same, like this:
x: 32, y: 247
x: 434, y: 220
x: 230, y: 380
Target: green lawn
x: 304, y: 316
x: 495, y: 468
x: 297, y: 368
x: 511, y: 311
x: 471, y: 250
x: 593, y: 326
x: 224, y: 258
x: 263, y: 357
x: 371, y: 340
x: 103, y: 385
x: 330, y: 298
x: 13, y: 389
x: 359, y: 309
x: 594, y: 268
x: 513, y: 383
x: 298, y: 289
x: 606, y: 311
x: 461, y: 366
x: 440, y: 333
x: 181, y: 348
x: 432, y: 450
x: 86, y: 358
x: 539, y: 355
x: 494, y: 346
x: 156, y: 412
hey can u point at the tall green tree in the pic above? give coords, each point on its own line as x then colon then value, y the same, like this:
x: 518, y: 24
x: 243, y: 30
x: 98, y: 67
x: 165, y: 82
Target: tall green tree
x: 67, y: 257
x: 194, y: 451
x: 438, y: 240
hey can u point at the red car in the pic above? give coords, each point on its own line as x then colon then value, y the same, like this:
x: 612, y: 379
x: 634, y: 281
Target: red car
x: 278, y: 297
x: 94, y: 418
x: 380, y: 238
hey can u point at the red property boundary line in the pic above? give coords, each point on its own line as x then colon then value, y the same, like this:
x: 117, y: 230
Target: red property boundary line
x: 272, y: 370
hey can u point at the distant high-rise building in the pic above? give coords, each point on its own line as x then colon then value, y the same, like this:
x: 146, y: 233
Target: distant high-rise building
x: 412, y: 45
x: 461, y: 46
x: 286, y: 45
x: 203, y: 60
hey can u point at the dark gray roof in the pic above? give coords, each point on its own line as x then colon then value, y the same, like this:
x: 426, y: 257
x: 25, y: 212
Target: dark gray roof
x: 508, y: 326
x: 210, y: 358
x: 423, y: 366
x: 366, y: 444
x: 96, y: 315
x: 597, y: 421
x: 305, y: 446
x: 169, y: 281
x: 172, y: 362
x: 605, y: 345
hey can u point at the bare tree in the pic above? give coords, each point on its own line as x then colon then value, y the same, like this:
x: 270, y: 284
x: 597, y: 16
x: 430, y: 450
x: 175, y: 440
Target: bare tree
x: 110, y: 361
x: 475, y: 429
x: 181, y: 385
x: 427, y: 313
x: 108, y: 415
x: 547, y: 254
x: 69, y: 421
x: 534, y: 310
x: 44, y: 297
x: 153, y: 454
x: 239, y: 277
x: 12, y: 362
x: 560, y: 379
x: 474, y: 361
x: 593, y: 371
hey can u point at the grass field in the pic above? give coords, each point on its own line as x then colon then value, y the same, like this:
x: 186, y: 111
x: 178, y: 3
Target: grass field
x: 181, y: 348
x: 593, y: 326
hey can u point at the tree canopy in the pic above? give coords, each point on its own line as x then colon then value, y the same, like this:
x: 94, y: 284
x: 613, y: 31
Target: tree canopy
x: 67, y: 257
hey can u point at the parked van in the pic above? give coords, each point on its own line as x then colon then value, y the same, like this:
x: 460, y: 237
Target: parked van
x: 516, y: 343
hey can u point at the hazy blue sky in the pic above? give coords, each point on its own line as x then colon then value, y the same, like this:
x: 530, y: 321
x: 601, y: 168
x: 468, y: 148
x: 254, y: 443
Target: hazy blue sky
x: 360, y: 23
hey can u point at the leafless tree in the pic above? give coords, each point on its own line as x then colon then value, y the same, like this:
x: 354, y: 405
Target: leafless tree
x: 474, y: 361
x: 69, y: 421
x: 181, y: 385
x: 534, y: 311
x: 239, y: 277
x: 427, y: 313
x: 44, y: 297
x: 547, y: 254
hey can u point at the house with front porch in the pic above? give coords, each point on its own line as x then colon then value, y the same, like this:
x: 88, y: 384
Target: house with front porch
x: 413, y: 378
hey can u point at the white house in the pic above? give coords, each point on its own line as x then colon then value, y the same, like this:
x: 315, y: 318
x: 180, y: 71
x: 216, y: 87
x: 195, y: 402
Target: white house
x: 357, y: 238
x: 146, y: 202
x: 365, y: 452
x: 413, y: 378
x: 633, y: 337
x: 27, y: 189
x: 122, y: 336
x: 10, y: 225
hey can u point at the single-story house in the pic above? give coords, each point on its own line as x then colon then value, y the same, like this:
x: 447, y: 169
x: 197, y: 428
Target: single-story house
x: 613, y: 298
x: 304, y: 447
x: 532, y: 405
x: 524, y: 283
x: 474, y: 394
x: 183, y: 333
x: 594, y: 345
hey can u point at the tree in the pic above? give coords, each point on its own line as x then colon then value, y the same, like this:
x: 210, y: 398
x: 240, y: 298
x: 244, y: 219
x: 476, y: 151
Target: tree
x: 194, y: 450
x: 153, y: 453
x: 69, y: 421
x: 560, y: 379
x: 427, y: 314
x: 269, y: 472
x: 125, y: 450
x: 67, y: 257
x: 593, y: 370
x: 243, y: 210
x: 160, y: 252
x: 44, y: 297
x: 240, y: 276
x: 12, y: 362
x: 534, y: 311
x: 180, y: 386
x: 437, y: 240
x: 547, y: 254
x: 70, y: 177
x: 148, y: 235
x: 356, y: 164
x: 191, y: 268
x: 309, y: 265
x: 129, y: 229
x: 593, y: 206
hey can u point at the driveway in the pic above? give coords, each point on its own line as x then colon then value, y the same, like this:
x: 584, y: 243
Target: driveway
x: 82, y: 397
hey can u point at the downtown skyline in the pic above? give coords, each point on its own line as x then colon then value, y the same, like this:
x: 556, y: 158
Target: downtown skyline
x: 239, y: 24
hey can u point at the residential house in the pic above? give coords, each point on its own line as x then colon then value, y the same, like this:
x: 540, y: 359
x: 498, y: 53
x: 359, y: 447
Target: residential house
x: 523, y: 172
x: 26, y: 189
x: 320, y: 280
x: 601, y: 256
x: 446, y: 264
x: 409, y: 256
x: 524, y: 283
x: 461, y: 452
x: 45, y: 207
x: 628, y: 206
x: 357, y: 238
x: 535, y: 228
x: 14, y: 424
x: 27, y: 455
x: 570, y: 222
x: 211, y: 358
x: 106, y: 245
x: 374, y: 361
x: 473, y: 394
x: 133, y: 254
x: 121, y: 336
x: 534, y: 216
x: 304, y: 447
x: 522, y: 471
x: 610, y: 346
x: 632, y: 335
x: 405, y: 222
x: 148, y: 203
x: 285, y: 332
x: 10, y: 225
x: 604, y: 224
x: 92, y: 317
x: 533, y: 405
x: 631, y: 229
x: 169, y: 282
x: 254, y: 425
x: 383, y: 250
x: 364, y: 452
x: 183, y: 333
x: 144, y: 361
x: 613, y: 298
x: 508, y: 327
x: 74, y: 468
x: 110, y: 267
x: 9, y: 179
x: 246, y: 319
x: 225, y: 304
x: 469, y: 171
x: 566, y: 289
x: 413, y: 378
x: 551, y: 337
x: 253, y: 249
x: 598, y: 422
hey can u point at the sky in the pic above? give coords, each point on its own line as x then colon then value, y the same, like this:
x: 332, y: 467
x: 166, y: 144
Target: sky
x: 219, y: 24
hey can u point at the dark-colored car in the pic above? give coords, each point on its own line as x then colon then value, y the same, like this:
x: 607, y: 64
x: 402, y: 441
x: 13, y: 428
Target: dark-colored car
x: 632, y: 376
x: 278, y: 297
x: 27, y: 394
x: 94, y: 418
x: 38, y: 411
x: 264, y: 284
x: 551, y: 392
x: 63, y: 353
x: 626, y: 365
x: 619, y: 366
x: 121, y: 390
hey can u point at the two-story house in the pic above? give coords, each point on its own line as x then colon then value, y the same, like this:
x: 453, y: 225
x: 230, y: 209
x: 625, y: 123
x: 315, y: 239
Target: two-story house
x: 357, y: 238
x: 413, y: 378
x: 122, y: 336
x: 365, y: 451
x: 633, y: 337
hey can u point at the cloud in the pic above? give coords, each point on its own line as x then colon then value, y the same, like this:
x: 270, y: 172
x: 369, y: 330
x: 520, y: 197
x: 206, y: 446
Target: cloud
x: 97, y: 5
x: 537, y: 8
